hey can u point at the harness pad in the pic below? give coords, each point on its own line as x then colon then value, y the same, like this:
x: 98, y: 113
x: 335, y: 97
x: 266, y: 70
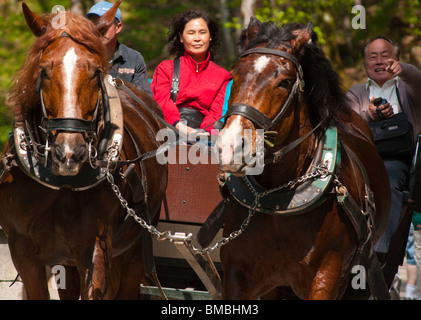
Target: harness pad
x: 297, y: 199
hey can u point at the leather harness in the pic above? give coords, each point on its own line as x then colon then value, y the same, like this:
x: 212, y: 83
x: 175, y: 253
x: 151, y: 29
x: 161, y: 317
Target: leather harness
x: 29, y: 160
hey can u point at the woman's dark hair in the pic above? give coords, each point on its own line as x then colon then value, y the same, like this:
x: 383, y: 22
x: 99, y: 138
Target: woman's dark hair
x: 175, y: 47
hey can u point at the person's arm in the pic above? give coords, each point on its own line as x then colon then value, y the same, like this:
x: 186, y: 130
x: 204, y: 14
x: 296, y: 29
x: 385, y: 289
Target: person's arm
x: 411, y: 75
x: 366, y: 108
x: 356, y: 103
x: 161, y: 87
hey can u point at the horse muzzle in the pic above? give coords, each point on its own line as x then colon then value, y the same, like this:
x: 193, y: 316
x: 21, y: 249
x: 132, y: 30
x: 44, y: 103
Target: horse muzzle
x: 69, y: 152
x: 240, y: 151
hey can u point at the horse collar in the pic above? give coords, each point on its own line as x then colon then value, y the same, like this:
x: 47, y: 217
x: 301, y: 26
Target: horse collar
x: 298, y: 196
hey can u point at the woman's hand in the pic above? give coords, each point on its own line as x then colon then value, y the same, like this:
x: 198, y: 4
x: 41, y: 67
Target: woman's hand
x: 185, y: 128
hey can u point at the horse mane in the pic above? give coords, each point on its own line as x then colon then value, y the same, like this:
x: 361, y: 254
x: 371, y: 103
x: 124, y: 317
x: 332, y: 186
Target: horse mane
x: 79, y: 29
x: 325, y: 97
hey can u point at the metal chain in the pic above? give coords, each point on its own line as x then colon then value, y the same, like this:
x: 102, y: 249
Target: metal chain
x: 130, y: 211
x: 166, y: 235
x: 232, y: 235
x: 321, y: 171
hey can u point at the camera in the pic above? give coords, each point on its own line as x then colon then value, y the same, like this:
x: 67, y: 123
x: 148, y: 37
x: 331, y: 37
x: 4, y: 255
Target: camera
x: 379, y: 101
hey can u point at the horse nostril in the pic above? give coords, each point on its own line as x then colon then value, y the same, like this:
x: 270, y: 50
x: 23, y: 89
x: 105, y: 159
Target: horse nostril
x: 65, y: 155
x: 58, y: 153
x: 80, y: 153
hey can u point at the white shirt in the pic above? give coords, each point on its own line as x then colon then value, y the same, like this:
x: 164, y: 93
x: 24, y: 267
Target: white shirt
x: 388, y: 92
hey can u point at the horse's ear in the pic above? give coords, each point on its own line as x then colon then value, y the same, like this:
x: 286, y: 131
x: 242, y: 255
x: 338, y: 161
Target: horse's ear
x: 253, y: 28
x: 249, y: 34
x: 303, y: 37
x: 36, y: 23
x: 105, y: 21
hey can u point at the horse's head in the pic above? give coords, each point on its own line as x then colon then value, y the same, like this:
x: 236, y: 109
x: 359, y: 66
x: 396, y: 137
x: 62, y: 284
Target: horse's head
x: 69, y: 83
x: 268, y: 81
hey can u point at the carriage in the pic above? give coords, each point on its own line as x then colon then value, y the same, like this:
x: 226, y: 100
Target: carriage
x: 302, y: 222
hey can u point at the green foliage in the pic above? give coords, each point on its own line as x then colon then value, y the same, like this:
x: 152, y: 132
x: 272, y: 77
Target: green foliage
x: 13, y: 44
x: 283, y: 13
x: 146, y: 26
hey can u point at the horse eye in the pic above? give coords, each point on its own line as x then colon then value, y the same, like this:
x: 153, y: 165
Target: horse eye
x: 96, y: 73
x: 284, y: 83
x: 44, y: 74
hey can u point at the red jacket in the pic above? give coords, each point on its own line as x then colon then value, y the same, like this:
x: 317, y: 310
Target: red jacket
x: 202, y: 87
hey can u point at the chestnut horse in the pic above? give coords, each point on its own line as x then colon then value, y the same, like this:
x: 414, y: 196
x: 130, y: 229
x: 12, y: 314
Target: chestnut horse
x: 56, y: 206
x: 288, y: 225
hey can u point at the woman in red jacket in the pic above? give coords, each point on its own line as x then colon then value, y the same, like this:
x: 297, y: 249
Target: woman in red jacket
x: 193, y: 38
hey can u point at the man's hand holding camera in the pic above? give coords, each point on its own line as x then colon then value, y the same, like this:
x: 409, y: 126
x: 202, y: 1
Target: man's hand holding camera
x: 380, y: 109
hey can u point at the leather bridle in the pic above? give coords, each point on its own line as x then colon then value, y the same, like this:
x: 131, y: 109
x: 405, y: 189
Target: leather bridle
x: 257, y: 117
x: 79, y: 125
x: 64, y: 124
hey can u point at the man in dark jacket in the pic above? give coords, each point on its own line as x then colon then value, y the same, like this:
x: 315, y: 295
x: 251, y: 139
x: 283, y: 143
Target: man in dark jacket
x: 125, y: 62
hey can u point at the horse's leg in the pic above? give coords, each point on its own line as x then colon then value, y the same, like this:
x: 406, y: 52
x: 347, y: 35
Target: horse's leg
x: 72, y: 290
x: 32, y: 273
x: 325, y: 284
x: 97, y: 274
x: 237, y: 285
x: 131, y: 273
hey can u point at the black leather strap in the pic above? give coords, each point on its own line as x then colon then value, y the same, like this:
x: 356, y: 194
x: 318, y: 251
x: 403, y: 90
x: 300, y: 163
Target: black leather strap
x: 250, y: 113
x: 275, y: 52
x: 277, y: 156
x: 69, y: 124
x: 175, y: 80
x: 192, y: 117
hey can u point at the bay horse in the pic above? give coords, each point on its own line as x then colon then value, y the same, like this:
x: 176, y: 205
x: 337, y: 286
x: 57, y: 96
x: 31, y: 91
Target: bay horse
x: 288, y: 224
x: 56, y: 205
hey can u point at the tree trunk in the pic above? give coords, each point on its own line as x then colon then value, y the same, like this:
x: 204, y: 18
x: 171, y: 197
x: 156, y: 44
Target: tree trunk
x: 229, y: 43
x: 247, y: 11
x: 76, y: 7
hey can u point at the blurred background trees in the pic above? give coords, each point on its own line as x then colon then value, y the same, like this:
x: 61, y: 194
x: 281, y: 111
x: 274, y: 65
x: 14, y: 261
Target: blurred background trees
x: 146, y: 26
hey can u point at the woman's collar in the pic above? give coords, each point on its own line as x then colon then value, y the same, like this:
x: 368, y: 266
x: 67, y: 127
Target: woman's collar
x: 198, y: 66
